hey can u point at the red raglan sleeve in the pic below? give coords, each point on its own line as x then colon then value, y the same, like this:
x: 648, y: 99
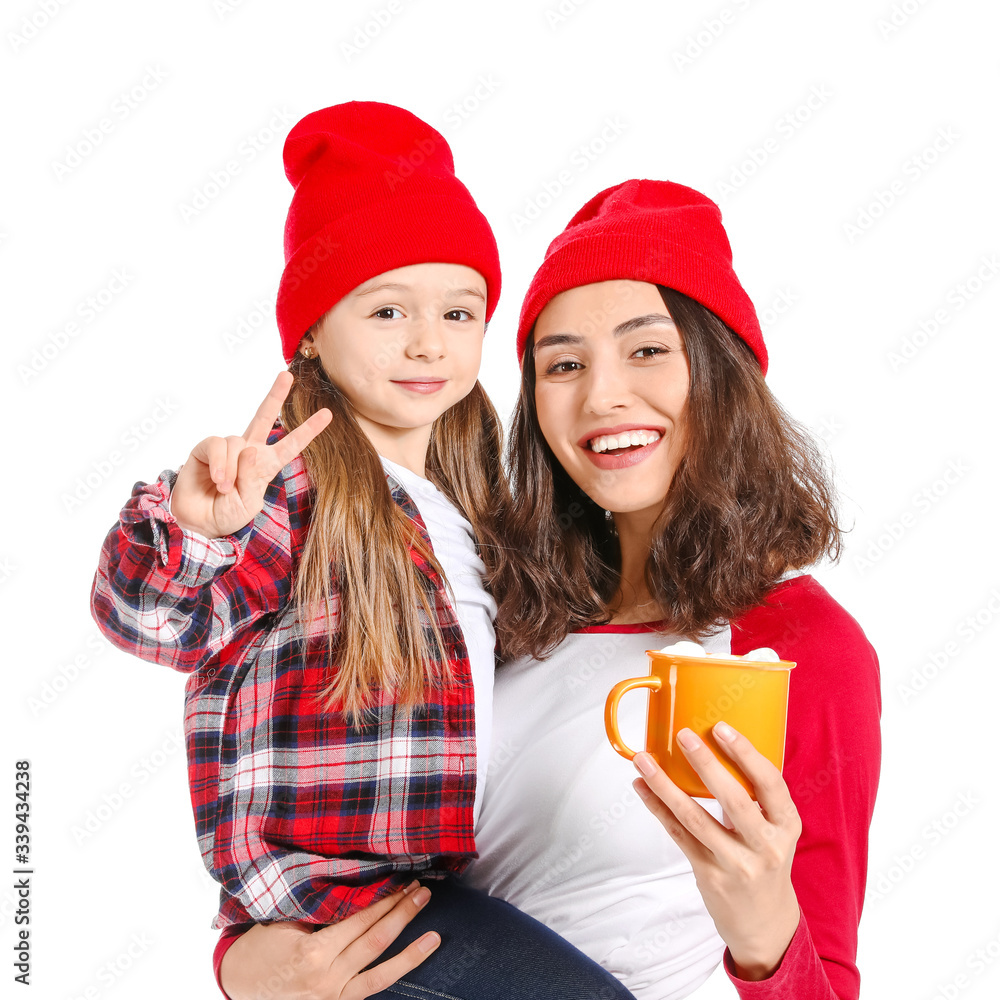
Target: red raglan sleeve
x: 832, y: 761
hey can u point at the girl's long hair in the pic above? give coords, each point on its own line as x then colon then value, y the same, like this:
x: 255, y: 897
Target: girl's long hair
x: 356, y: 574
x: 750, y: 499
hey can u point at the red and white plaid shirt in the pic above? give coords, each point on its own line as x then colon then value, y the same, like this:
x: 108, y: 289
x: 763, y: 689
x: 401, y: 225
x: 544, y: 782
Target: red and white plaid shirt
x: 299, y: 815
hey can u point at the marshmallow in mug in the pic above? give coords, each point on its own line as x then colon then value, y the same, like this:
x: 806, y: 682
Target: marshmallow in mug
x: 685, y: 648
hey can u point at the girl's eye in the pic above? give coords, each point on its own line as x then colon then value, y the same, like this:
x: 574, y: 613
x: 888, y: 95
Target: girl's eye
x: 381, y: 313
x: 459, y: 315
x: 649, y: 352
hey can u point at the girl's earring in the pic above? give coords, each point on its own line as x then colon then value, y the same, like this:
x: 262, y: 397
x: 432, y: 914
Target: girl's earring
x: 307, y: 353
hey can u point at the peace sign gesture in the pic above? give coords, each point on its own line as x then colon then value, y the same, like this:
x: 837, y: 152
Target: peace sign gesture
x: 220, y: 488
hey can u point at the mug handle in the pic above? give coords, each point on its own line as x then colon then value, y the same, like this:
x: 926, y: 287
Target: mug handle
x: 652, y: 682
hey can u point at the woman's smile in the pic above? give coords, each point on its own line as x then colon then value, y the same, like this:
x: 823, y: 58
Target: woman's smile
x: 618, y: 438
x: 622, y: 446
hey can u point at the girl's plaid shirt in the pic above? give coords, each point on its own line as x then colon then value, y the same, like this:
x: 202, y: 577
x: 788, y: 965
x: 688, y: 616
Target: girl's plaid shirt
x: 299, y: 815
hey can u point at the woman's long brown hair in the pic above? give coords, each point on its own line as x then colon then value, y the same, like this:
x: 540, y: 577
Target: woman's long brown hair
x: 750, y: 499
x: 356, y: 574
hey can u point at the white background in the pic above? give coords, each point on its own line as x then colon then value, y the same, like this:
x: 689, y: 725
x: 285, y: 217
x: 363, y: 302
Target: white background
x: 185, y: 345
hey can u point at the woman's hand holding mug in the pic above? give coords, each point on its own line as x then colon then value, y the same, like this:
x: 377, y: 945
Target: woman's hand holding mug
x: 742, y: 866
x: 743, y: 871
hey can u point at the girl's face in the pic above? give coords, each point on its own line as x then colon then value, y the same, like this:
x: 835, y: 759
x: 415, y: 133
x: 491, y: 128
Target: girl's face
x: 611, y: 389
x: 404, y: 347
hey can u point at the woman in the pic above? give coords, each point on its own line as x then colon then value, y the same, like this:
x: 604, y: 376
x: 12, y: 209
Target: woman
x: 697, y: 524
x: 661, y: 493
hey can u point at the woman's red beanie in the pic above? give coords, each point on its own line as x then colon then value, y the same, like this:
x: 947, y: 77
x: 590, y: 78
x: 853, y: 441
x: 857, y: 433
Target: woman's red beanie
x: 375, y: 189
x: 655, y: 231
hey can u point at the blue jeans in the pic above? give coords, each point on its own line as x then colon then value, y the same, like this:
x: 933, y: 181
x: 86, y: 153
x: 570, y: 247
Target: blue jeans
x: 490, y: 950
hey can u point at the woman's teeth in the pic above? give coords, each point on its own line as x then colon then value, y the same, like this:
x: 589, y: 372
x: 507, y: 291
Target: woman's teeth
x: 611, y: 442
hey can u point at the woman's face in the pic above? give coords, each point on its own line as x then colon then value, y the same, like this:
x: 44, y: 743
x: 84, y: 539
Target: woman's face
x: 611, y: 389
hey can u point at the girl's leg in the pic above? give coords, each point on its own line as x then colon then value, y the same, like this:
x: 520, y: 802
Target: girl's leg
x: 490, y: 950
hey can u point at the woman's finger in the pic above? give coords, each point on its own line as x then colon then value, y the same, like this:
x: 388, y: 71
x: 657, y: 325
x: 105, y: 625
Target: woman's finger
x: 772, y: 793
x: 263, y: 420
x: 744, y: 813
x: 383, y: 975
x: 693, y: 848
x: 691, y: 814
x: 339, y: 935
x: 680, y: 807
x: 371, y: 941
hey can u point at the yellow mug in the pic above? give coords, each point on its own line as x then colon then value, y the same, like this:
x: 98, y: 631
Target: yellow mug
x: 695, y: 692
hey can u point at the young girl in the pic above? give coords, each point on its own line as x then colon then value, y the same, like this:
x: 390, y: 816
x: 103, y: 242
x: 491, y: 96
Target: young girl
x: 319, y: 580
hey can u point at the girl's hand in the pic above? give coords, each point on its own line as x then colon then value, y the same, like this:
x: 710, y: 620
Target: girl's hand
x: 743, y: 871
x: 220, y: 488
x: 289, y: 961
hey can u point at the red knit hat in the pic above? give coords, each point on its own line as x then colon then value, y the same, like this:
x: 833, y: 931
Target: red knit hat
x: 655, y: 231
x: 375, y: 189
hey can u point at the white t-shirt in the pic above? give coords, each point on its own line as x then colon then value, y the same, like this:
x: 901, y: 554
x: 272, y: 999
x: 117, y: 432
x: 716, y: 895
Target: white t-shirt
x: 563, y: 835
x: 454, y: 546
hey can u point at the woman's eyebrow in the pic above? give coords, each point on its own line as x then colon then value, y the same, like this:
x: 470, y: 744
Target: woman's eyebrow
x: 638, y: 322
x: 626, y: 326
x: 557, y: 339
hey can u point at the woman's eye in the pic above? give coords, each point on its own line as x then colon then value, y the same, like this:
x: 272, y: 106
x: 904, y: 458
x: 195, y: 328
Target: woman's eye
x: 649, y: 352
x: 561, y: 367
x: 458, y: 314
x: 387, y: 312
